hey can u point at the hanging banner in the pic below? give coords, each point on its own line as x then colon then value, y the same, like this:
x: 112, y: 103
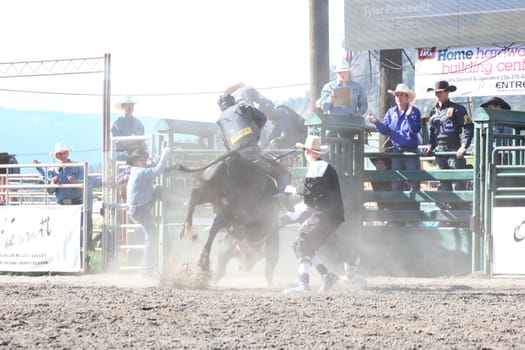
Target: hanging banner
x: 475, y: 71
x: 40, y: 238
x: 508, y: 231
x: 393, y: 24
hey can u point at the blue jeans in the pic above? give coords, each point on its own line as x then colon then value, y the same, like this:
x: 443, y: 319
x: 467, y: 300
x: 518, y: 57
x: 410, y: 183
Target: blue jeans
x: 405, y: 163
x: 451, y: 162
x: 143, y: 216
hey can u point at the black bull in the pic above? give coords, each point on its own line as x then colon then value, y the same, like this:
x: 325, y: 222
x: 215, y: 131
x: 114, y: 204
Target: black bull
x: 245, y: 205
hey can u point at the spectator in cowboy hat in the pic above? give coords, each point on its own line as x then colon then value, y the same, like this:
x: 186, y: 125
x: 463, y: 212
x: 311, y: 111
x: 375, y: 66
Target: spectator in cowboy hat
x: 127, y: 125
x: 499, y: 103
x: 63, y: 176
x: 351, y: 101
x: 358, y: 100
x: 496, y: 103
x: 451, y: 130
x: 402, y: 124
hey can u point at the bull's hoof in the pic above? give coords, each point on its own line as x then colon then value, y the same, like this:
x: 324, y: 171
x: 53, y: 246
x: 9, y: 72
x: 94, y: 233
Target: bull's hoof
x: 182, y: 232
x: 191, y: 236
x: 188, y: 234
x: 204, y: 263
x: 216, y: 280
x: 204, y: 266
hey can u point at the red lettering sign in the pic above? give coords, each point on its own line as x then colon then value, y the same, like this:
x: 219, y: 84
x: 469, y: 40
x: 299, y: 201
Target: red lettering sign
x: 426, y: 53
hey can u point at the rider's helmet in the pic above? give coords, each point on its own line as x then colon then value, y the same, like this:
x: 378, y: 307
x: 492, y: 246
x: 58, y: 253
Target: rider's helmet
x: 226, y: 100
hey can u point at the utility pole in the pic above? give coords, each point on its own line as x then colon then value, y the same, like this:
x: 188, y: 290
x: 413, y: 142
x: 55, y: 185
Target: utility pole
x: 390, y: 74
x: 319, y: 49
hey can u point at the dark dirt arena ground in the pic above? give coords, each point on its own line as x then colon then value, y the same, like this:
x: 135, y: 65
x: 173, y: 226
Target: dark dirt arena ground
x: 114, y: 311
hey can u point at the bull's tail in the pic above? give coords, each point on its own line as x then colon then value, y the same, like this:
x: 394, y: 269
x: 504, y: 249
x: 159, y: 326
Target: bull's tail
x: 227, y: 155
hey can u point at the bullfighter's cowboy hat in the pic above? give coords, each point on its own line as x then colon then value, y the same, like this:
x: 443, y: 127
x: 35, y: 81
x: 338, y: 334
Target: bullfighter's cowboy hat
x: 403, y: 88
x: 496, y: 101
x: 60, y: 148
x: 126, y: 100
x: 313, y: 143
x: 442, y: 85
x: 137, y: 154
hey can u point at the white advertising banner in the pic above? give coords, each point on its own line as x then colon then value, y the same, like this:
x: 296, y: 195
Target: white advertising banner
x: 475, y: 71
x: 40, y: 238
x: 508, y: 254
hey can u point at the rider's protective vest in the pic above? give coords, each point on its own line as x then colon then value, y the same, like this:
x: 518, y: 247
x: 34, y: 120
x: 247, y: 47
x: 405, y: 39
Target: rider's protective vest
x: 241, y: 126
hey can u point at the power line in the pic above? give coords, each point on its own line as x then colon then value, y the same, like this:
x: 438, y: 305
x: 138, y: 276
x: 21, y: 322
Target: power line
x: 390, y: 64
x: 144, y: 94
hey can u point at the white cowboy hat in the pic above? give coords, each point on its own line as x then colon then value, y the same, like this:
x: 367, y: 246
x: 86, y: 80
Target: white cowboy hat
x: 342, y: 66
x: 313, y: 143
x: 125, y: 100
x: 402, y: 88
x: 60, y: 147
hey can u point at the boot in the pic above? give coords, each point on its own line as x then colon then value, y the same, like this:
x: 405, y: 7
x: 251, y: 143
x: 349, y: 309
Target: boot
x: 328, y: 280
x: 301, y: 286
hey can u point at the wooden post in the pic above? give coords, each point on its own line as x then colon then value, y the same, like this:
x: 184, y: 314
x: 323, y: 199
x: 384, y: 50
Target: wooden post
x: 319, y: 49
x: 390, y: 74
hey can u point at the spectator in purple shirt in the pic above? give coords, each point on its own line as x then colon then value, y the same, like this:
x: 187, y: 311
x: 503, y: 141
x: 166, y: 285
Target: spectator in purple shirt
x: 401, y: 125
